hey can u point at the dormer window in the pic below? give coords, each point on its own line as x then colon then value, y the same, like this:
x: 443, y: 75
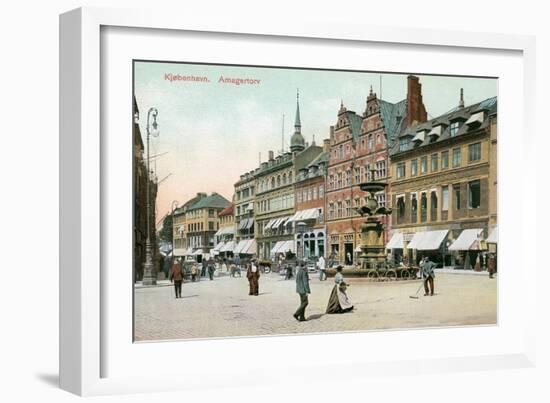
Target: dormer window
x: 454, y: 128
x: 475, y: 119
x: 403, y: 144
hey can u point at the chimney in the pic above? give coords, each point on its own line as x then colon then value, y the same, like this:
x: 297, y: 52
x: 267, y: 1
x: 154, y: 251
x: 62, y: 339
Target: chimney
x: 201, y: 195
x: 416, y: 112
x: 270, y: 155
x: 331, y: 133
x: 326, y: 145
x: 461, y: 103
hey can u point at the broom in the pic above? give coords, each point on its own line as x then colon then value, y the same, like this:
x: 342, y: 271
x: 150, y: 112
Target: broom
x: 415, y: 296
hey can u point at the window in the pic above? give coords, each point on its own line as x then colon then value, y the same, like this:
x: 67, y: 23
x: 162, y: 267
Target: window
x: 315, y: 193
x: 331, y: 211
x: 456, y: 191
x: 424, y: 164
x: 434, y: 162
x: 454, y: 128
x: 456, y: 157
x: 414, y: 207
x: 331, y: 182
x: 321, y: 191
x: 341, y: 149
x: 433, y: 206
x: 299, y: 196
x: 474, y: 194
x: 381, y: 169
x: 210, y: 226
x: 357, y: 174
x: 371, y: 143
x: 348, y: 208
x: 401, y: 207
x: 400, y: 170
x: 423, y: 206
x: 414, y: 167
x: 381, y: 199
x: 211, y: 213
x: 445, y: 198
x: 320, y: 216
x: 444, y: 159
x: 339, y: 210
x: 310, y: 194
x: 403, y: 144
x: 348, y: 177
x: 474, y: 152
x: 284, y: 179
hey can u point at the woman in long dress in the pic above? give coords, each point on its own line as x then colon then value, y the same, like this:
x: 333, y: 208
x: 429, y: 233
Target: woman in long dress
x: 339, y: 301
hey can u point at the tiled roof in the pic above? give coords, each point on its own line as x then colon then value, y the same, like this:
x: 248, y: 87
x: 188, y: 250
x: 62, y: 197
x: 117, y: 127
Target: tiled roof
x: 489, y: 106
x: 227, y: 211
x: 213, y: 201
x: 355, y: 124
x: 393, y: 116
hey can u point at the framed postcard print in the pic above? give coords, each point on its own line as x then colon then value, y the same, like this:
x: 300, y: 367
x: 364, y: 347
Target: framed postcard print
x: 288, y: 192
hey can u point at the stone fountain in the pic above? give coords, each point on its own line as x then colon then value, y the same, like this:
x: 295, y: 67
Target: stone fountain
x: 373, y: 250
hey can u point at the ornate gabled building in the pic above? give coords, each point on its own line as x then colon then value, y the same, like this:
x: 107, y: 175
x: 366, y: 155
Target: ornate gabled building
x: 444, y: 185
x: 358, y: 150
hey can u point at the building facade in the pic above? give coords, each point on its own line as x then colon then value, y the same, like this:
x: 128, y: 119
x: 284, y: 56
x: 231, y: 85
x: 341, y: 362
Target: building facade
x: 309, y: 196
x: 245, y: 193
x: 359, y: 153
x: 140, y: 202
x: 444, y: 185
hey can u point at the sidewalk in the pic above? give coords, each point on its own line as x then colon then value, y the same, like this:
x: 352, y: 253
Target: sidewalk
x: 450, y: 270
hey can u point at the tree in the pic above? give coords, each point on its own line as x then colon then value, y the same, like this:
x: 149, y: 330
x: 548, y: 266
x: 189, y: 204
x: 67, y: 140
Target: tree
x: 166, y: 233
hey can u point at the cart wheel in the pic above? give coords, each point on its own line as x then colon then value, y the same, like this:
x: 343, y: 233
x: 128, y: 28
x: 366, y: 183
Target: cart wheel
x: 391, y: 275
x: 373, y: 274
x: 405, y: 275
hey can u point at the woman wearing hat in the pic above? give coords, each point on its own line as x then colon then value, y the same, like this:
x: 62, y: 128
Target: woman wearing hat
x: 339, y: 301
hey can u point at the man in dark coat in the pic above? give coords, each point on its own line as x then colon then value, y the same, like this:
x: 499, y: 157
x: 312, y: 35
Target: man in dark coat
x: 428, y: 273
x: 253, y: 275
x: 176, y: 276
x: 211, y: 269
x: 302, y: 288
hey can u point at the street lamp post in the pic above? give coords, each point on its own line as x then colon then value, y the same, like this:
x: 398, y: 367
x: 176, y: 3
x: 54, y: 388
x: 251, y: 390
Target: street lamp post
x: 148, y: 267
x: 174, y: 207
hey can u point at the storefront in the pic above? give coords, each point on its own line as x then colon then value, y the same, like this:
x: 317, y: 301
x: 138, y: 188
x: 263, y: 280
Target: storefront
x: 467, y: 249
x: 428, y: 244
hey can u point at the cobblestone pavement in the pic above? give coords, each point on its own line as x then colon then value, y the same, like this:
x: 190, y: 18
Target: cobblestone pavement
x: 222, y: 307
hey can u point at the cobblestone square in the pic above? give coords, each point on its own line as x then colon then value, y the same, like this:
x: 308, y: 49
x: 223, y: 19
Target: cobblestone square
x: 222, y: 307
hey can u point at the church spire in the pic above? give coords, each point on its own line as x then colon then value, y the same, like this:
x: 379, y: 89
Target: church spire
x: 297, y: 142
x: 461, y: 102
x: 297, y: 123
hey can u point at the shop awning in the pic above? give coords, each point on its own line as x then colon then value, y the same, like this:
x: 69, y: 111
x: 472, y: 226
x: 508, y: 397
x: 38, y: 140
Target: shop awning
x: 250, y: 247
x: 276, y: 247
x: 228, y: 247
x: 179, y: 252
x: 427, y: 240
x: 308, y: 214
x: 197, y: 252
x: 240, y: 246
x: 218, y: 247
x: 467, y: 240
x: 493, y: 236
x: 249, y: 223
x: 269, y: 224
x: 396, y: 241
x: 287, y: 246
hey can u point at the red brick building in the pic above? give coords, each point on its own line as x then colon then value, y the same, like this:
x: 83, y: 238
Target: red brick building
x: 359, y: 148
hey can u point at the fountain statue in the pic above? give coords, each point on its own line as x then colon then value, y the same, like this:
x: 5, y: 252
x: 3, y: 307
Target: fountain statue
x: 373, y: 249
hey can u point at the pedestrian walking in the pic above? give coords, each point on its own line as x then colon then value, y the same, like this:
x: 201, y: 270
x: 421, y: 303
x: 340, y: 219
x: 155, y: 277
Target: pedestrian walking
x: 322, y: 269
x: 288, y: 271
x: 302, y: 288
x: 491, y: 265
x: 427, y: 268
x: 203, y: 268
x: 211, y: 269
x: 253, y: 276
x: 339, y: 301
x: 176, y: 277
x: 194, y: 272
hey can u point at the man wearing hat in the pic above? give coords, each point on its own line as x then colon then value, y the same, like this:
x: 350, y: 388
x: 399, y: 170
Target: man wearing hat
x: 302, y: 288
x: 427, y: 267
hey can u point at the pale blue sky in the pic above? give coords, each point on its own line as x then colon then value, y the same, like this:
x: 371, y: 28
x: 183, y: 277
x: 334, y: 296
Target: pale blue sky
x: 213, y: 132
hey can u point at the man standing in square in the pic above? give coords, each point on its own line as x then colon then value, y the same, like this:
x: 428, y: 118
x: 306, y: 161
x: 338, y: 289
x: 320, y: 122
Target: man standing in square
x: 302, y: 288
x: 428, y: 273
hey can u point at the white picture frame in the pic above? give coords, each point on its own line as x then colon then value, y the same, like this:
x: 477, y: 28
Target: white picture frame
x: 83, y: 300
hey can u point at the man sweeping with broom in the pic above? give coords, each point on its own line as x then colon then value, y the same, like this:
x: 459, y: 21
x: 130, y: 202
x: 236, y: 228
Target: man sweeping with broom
x: 428, y: 274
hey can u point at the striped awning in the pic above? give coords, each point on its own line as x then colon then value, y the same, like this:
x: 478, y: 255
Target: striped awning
x: 396, y: 241
x: 427, y: 240
x: 467, y: 240
x: 219, y: 246
x: 228, y: 247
